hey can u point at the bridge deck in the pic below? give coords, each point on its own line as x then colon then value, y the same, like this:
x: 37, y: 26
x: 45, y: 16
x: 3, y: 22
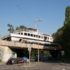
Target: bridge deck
x: 13, y: 44
x: 20, y: 45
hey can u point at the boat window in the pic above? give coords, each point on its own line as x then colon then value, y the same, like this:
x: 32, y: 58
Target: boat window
x: 39, y: 36
x: 21, y: 33
x: 31, y: 34
x: 28, y: 34
x: 18, y: 33
x: 25, y: 33
x: 45, y: 38
x: 34, y: 35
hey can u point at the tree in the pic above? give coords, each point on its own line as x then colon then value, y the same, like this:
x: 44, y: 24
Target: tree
x: 58, y: 36
x: 21, y: 28
x: 62, y: 36
x: 11, y: 28
x: 66, y: 33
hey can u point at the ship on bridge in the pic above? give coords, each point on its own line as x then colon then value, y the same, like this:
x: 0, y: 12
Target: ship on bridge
x: 14, y: 44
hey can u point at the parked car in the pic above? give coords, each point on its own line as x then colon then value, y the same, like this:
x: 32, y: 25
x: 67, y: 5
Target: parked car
x: 15, y: 61
x: 25, y: 59
x: 20, y: 60
x: 12, y: 61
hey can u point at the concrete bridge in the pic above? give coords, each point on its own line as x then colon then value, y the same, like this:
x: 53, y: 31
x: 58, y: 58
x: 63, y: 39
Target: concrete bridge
x: 6, y: 48
x: 13, y: 44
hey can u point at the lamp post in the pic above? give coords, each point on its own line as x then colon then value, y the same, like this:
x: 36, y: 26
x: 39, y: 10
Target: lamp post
x: 38, y: 53
x: 29, y: 50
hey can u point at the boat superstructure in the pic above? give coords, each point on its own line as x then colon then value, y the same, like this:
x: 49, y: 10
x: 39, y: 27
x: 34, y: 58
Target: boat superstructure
x: 30, y: 35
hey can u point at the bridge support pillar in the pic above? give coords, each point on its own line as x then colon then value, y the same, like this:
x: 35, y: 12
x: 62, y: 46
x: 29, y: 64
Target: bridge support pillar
x: 38, y: 54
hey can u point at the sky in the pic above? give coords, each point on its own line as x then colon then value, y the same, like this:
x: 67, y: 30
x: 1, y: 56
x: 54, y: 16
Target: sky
x: 45, y: 15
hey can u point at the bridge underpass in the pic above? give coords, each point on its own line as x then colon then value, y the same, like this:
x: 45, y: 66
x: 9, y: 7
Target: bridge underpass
x: 13, y: 44
x: 20, y: 48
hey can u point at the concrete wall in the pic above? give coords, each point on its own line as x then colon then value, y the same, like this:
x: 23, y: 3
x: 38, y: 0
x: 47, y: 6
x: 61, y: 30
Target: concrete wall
x: 5, y: 53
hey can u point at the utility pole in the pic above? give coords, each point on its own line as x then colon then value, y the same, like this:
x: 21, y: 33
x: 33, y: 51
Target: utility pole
x: 29, y: 50
x: 38, y: 53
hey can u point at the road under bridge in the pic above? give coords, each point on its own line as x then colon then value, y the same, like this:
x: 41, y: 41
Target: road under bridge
x: 53, y: 48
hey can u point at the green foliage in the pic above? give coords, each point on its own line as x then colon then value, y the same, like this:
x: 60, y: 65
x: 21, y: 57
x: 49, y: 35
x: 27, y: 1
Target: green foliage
x: 67, y: 15
x: 21, y: 28
x: 58, y: 36
x: 10, y: 28
x: 62, y: 36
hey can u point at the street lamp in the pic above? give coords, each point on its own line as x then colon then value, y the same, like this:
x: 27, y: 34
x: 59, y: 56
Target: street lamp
x: 29, y: 50
x: 38, y: 52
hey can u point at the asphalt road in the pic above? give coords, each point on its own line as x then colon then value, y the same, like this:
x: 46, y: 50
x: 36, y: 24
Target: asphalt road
x: 36, y: 66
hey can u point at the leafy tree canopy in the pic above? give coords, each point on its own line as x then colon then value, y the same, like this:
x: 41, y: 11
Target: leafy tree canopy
x: 62, y: 36
x: 11, y: 28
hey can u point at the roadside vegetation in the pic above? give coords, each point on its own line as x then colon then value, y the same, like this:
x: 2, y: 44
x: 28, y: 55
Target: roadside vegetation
x: 62, y: 35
